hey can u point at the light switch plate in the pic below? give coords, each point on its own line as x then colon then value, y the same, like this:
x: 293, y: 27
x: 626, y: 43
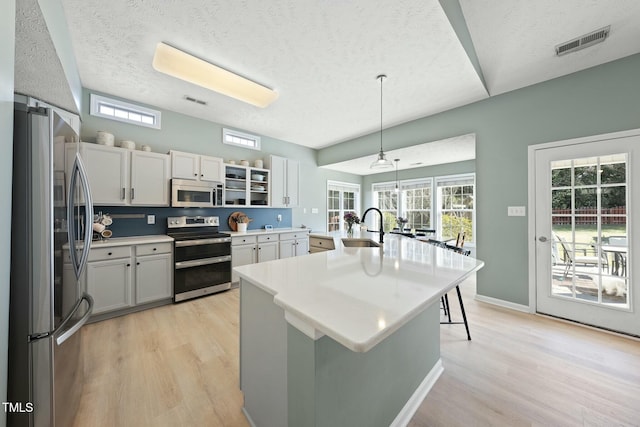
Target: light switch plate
x: 314, y: 210
x: 516, y: 211
x: 151, y: 219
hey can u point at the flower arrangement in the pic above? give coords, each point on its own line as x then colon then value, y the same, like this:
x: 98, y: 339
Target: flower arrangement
x: 351, y: 218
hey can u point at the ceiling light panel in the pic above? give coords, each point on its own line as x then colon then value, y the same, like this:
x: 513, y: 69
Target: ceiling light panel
x: 181, y: 65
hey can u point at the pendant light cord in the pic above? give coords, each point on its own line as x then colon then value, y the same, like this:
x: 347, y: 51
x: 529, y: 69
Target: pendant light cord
x: 381, y: 77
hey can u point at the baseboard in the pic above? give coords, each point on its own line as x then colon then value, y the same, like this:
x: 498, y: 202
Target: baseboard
x: 414, y: 402
x: 248, y: 417
x: 502, y: 303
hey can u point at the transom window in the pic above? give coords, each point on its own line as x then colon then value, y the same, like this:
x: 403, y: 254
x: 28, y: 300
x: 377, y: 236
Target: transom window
x: 121, y: 111
x: 240, y: 139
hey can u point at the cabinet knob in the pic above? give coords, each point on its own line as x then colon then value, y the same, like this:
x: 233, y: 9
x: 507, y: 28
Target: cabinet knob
x: 128, y: 265
x: 155, y: 249
x: 201, y: 174
x: 110, y: 253
x: 195, y: 174
x: 137, y: 263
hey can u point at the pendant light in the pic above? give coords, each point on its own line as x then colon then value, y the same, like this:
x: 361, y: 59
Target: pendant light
x: 381, y: 162
x: 397, y: 187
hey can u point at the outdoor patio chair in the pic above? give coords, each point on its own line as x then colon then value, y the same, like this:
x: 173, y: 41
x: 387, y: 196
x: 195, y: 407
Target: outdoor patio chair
x: 571, y: 258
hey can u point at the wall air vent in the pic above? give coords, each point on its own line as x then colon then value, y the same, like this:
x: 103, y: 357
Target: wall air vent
x: 584, y: 41
x: 197, y: 101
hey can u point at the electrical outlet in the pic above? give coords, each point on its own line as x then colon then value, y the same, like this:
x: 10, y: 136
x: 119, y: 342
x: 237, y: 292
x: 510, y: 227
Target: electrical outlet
x: 314, y: 210
x: 279, y: 218
x: 151, y: 219
x: 304, y: 210
x: 516, y: 211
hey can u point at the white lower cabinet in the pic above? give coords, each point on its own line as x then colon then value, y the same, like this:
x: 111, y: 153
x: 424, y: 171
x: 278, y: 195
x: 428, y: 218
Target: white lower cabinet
x: 251, y: 249
x: 109, y: 283
x: 153, y: 278
x: 121, y: 277
x: 294, y: 244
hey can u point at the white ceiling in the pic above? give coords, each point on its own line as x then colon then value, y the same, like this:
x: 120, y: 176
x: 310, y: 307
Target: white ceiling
x: 323, y: 57
x: 448, y: 150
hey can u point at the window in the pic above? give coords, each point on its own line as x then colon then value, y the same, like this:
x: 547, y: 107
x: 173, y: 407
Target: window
x: 121, y: 111
x: 342, y: 197
x: 456, y: 207
x: 412, y: 201
x: 385, y: 198
x: 244, y: 140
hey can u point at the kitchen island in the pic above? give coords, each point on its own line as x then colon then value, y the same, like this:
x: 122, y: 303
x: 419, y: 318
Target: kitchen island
x: 344, y: 337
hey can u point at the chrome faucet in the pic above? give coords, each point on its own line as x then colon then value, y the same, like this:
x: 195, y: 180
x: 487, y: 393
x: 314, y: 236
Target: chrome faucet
x: 381, y: 231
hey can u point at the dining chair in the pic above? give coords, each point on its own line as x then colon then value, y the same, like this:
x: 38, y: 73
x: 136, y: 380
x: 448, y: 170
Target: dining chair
x: 571, y: 258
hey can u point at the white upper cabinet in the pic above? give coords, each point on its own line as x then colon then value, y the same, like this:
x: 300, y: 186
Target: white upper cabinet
x: 149, y: 179
x: 196, y: 167
x: 285, y: 182
x: 121, y: 177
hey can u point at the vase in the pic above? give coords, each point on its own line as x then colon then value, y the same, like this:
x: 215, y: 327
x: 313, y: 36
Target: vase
x: 349, y: 230
x: 242, y: 227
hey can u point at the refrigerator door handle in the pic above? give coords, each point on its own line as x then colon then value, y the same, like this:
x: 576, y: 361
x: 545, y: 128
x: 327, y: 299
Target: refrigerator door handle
x: 72, y: 330
x: 78, y: 171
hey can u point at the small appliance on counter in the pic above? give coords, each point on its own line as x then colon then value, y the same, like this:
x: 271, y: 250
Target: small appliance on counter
x: 202, y: 256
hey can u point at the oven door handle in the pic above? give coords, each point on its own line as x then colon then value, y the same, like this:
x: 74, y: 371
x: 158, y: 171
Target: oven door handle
x: 200, y: 262
x: 184, y: 243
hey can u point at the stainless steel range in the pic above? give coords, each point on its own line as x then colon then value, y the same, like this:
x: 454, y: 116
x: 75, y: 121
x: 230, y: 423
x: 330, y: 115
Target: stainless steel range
x: 202, y: 256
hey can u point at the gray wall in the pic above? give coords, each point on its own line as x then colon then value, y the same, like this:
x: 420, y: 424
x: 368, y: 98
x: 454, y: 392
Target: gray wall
x: 7, y: 49
x: 594, y: 101
x: 185, y: 133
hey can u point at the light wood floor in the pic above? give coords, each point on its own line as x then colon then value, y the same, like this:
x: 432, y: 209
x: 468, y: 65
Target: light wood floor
x: 178, y: 366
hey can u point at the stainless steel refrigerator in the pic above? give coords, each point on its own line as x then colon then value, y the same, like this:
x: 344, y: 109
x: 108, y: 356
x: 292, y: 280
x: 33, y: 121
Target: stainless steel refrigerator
x: 52, y: 216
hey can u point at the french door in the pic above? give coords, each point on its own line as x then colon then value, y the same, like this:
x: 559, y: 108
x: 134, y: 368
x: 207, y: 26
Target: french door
x: 587, y: 194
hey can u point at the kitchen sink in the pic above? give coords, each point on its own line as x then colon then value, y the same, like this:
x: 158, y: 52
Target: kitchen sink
x: 359, y: 243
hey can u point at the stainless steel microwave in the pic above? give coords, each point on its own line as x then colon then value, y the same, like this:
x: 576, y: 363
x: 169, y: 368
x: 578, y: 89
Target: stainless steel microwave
x: 186, y: 193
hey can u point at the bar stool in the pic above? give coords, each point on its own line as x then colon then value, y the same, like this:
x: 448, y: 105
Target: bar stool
x: 445, y: 298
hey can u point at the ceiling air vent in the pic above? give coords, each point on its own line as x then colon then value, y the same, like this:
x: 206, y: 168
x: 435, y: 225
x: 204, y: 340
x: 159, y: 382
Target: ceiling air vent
x: 197, y: 101
x: 584, y: 41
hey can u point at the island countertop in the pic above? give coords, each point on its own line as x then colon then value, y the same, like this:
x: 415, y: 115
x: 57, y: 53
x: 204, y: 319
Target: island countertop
x: 360, y: 296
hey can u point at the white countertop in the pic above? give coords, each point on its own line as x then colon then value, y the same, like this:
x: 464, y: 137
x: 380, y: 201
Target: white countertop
x: 263, y: 231
x: 360, y: 296
x: 126, y: 241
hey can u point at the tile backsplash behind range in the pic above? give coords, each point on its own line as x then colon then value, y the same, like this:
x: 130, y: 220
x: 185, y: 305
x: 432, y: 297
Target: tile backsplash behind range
x: 123, y: 227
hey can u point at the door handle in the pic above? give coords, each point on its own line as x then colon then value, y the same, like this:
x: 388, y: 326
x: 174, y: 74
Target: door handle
x: 542, y: 239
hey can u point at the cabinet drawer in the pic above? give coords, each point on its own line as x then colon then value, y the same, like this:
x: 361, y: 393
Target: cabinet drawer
x: 100, y: 254
x: 243, y: 240
x: 268, y: 238
x: 316, y: 242
x: 153, y: 248
x: 293, y: 236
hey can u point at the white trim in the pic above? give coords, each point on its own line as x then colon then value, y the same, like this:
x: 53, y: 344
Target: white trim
x: 502, y: 303
x: 531, y: 188
x: 96, y: 100
x: 411, y: 407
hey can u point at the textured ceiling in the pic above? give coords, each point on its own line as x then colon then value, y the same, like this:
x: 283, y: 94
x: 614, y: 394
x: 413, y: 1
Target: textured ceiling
x: 38, y: 71
x: 515, y: 39
x: 322, y: 57
x: 456, y: 149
